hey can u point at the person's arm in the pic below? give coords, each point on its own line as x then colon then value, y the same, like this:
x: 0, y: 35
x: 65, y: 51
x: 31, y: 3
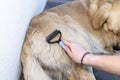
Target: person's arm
x: 108, y: 63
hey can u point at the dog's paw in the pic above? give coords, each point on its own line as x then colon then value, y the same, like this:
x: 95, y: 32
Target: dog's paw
x: 107, y: 17
x: 93, y: 7
x: 112, y: 21
x: 101, y: 15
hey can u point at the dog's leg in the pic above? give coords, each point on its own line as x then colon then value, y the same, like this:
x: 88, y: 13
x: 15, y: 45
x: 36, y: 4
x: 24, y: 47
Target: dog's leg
x: 105, y: 14
x: 112, y: 22
x: 99, y: 18
x: 93, y: 7
x: 35, y: 72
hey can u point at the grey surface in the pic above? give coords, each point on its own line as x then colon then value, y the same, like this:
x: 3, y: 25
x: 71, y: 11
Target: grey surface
x: 100, y: 75
x: 53, y: 3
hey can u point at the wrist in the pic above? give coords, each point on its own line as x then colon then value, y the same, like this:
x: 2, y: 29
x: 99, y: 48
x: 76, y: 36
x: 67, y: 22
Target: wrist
x: 87, y: 60
x: 84, y: 55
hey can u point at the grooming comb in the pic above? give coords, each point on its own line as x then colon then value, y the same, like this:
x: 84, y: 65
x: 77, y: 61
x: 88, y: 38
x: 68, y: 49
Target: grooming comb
x: 53, y: 35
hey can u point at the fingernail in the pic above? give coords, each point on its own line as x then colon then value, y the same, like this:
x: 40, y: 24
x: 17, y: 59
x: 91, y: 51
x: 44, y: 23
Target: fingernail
x: 61, y: 44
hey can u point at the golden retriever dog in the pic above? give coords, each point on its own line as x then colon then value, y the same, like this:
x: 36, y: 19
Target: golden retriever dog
x: 44, y: 61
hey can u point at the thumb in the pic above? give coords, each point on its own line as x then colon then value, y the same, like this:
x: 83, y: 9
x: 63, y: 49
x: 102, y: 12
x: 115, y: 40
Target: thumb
x: 67, y: 43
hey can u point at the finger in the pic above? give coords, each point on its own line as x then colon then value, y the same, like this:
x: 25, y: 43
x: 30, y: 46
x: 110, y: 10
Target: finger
x: 67, y: 43
x: 68, y: 50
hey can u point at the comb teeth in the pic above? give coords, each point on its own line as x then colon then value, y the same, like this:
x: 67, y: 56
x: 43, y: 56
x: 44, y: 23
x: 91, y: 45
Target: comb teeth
x: 52, y: 35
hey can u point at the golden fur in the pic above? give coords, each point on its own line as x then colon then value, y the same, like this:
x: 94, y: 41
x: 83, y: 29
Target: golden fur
x: 105, y: 13
x: 43, y: 61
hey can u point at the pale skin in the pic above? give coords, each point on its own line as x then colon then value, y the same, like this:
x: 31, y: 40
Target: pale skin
x: 108, y: 63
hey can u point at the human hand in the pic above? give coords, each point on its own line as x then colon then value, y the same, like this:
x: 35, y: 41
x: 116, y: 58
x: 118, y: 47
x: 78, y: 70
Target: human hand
x: 74, y: 50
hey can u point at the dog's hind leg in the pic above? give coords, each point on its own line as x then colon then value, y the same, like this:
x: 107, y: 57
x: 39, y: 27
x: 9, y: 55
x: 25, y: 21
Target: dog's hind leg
x: 35, y: 72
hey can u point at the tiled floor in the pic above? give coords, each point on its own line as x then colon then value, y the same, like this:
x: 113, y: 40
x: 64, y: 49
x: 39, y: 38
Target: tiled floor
x: 100, y: 75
